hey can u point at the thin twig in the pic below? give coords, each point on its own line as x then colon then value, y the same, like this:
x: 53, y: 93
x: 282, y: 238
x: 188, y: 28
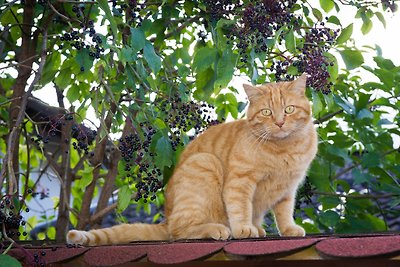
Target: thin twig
x: 361, y: 196
x: 59, y: 14
x: 106, y: 210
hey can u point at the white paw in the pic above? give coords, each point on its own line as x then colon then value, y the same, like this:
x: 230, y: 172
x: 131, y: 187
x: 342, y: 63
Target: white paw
x: 76, y: 237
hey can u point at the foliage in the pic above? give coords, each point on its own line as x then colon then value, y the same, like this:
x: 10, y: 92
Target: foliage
x: 157, y: 73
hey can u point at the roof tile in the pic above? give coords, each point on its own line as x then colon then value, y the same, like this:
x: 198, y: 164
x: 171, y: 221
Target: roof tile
x: 267, y: 247
x: 114, y: 255
x: 182, y: 252
x: 360, y: 246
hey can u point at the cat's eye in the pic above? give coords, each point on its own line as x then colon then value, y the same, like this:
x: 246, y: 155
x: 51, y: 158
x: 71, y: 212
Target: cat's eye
x: 266, y: 112
x: 289, y: 109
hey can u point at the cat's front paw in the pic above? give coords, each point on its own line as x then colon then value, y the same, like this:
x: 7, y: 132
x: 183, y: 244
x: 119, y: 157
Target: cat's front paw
x: 261, y: 231
x: 244, y: 231
x: 293, y: 230
x: 75, y: 237
x: 220, y: 232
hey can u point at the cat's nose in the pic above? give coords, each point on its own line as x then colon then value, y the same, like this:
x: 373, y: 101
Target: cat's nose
x: 279, y: 123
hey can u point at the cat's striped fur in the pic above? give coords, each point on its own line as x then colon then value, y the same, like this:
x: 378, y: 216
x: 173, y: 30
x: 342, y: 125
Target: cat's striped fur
x: 233, y: 173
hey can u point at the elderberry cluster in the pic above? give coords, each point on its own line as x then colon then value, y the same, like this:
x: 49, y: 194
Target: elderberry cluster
x: 84, y: 136
x: 132, y: 11
x: 221, y: 8
x: 311, y: 59
x: 84, y: 36
x: 317, y: 43
x: 305, y: 194
x: 183, y: 116
x: 52, y: 127
x: 139, y: 163
x: 260, y: 21
x: 10, y: 218
x: 263, y: 28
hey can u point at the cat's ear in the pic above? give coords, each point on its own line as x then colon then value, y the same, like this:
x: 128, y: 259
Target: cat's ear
x: 251, y: 91
x: 299, y: 85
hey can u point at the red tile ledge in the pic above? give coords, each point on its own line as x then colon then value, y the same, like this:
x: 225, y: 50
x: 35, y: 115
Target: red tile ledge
x: 358, y: 247
x: 340, y: 248
x: 268, y: 247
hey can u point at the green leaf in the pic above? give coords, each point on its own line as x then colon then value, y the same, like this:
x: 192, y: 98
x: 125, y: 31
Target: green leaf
x: 164, y: 153
x: 205, y: 84
x: 345, y: 34
x: 384, y: 63
x: 352, y: 58
x: 224, y: 23
x: 73, y: 93
x: 317, y: 106
x: 361, y: 177
x: 225, y: 69
x: 138, y: 39
x: 152, y: 58
x: 333, y: 70
x: 381, y: 18
x: 103, y: 4
x: 346, y: 105
x: 204, y: 58
x: 84, y: 60
x: 329, y: 202
x: 366, y: 26
x: 364, y: 113
x: 334, y: 20
x: 371, y: 159
x: 86, y: 176
x: 124, y: 198
x: 63, y: 79
x: 327, y: 5
x: 318, y: 176
x: 51, y: 67
x: 329, y: 218
x: 290, y: 41
x: 7, y: 260
x: 317, y: 14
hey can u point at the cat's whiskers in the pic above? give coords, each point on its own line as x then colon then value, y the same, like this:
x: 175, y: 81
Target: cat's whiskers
x: 254, y: 137
x: 262, y: 137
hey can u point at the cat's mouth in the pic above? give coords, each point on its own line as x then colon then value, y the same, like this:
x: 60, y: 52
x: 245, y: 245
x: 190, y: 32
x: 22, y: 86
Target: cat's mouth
x: 280, y: 133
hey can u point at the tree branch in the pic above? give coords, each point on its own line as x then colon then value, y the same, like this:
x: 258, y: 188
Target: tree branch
x: 13, y: 140
x: 328, y: 116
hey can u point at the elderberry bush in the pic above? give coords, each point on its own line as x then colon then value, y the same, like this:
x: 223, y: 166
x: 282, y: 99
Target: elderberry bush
x: 286, y: 44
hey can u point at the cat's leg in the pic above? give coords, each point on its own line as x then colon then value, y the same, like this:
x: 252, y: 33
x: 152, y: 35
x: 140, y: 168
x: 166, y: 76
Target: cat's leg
x: 283, y: 212
x: 196, y: 199
x: 238, y: 193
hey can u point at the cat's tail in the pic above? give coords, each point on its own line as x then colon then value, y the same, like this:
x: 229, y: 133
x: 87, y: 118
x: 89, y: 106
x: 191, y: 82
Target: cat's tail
x: 119, y: 234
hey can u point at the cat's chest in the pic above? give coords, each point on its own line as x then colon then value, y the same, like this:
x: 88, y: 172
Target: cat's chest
x: 282, y: 161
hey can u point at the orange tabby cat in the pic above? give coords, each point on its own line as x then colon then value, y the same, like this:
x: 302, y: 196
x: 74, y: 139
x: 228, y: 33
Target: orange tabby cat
x: 233, y: 173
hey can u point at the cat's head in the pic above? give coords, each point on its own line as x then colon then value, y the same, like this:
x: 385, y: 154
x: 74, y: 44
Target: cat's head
x: 278, y: 110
